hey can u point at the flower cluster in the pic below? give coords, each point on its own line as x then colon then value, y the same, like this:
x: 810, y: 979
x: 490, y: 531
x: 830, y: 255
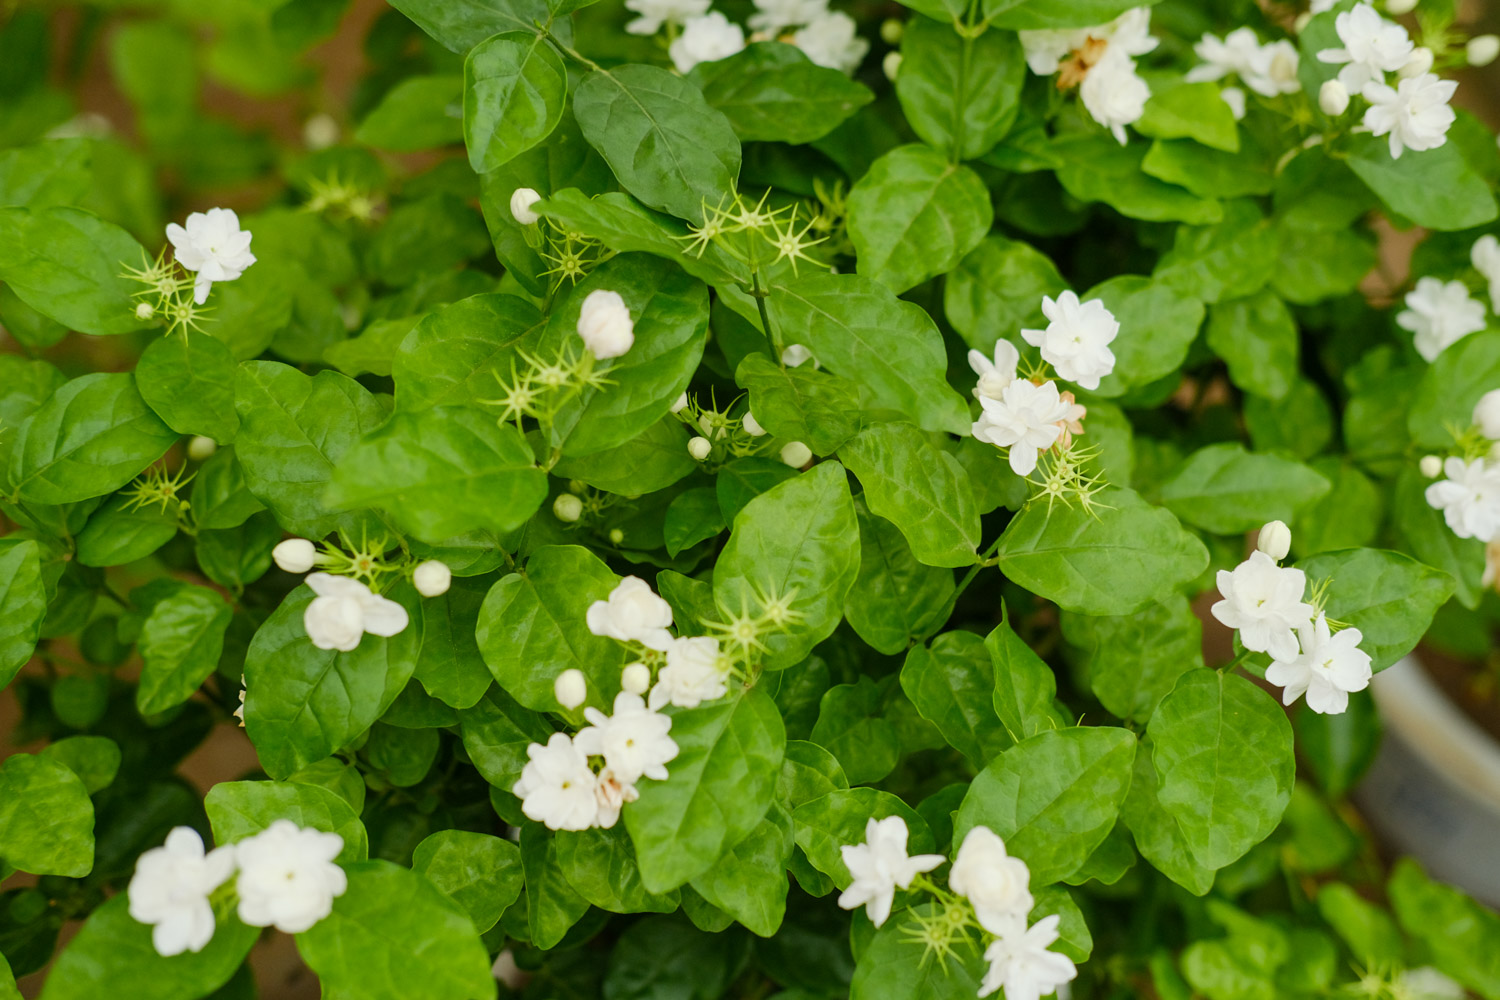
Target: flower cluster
x: 988, y: 890
x: 1310, y: 654
x: 287, y: 879
x: 571, y: 254
x: 699, y: 35
x: 1440, y: 313
x: 1269, y: 69
x: 1100, y: 62
x: 212, y: 247
x: 347, y: 605
x: 720, y: 434
x: 1469, y: 492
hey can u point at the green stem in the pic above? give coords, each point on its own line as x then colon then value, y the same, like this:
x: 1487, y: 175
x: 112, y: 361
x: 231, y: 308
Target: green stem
x: 765, y: 319
x: 983, y: 561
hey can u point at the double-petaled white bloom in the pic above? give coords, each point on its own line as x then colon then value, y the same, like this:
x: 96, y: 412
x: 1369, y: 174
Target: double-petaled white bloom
x: 432, y: 578
x: 1129, y: 34
x: 1440, y: 314
x: 634, y: 741
x: 170, y: 890
x: 1027, y: 419
x: 1273, y: 70
x: 288, y: 878
x: 695, y: 673
x: 345, y: 610
x: 995, y: 375
x: 1231, y: 55
x: 706, y: 39
x: 1077, y: 340
x: 214, y: 246
x: 773, y: 16
x: 1330, y: 666
x: 1264, y: 602
x: 295, y: 555
x: 1415, y: 113
x: 605, y: 325
x: 632, y: 613
x: 880, y: 866
x: 830, y: 40
x: 1486, y: 259
x: 557, y: 787
x: 1372, y: 47
x: 1021, y: 964
x: 996, y: 884
x: 1469, y: 498
x: 521, y: 202
x: 1114, y: 94
x: 654, y: 13
x: 612, y: 794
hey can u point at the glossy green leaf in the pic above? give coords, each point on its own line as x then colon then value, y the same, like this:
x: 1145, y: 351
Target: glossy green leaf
x: 459, y: 25
x: 479, y: 872
x: 241, y: 809
x: 420, y: 112
x: 455, y: 353
x: 651, y: 461
x: 1157, y: 836
x: 553, y: 906
x: 959, y: 94
x: 121, y: 532
x: 1094, y: 167
x: 515, y: 85
x: 46, y: 818
x: 95, y: 759
x: 450, y: 666
x: 1437, y: 189
x: 600, y: 866
x: 997, y: 290
x: 67, y: 264
x: 188, y: 379
x: 773, y: 93
x: 951, y: 682
x: 803, y: 404
x: 1225, y: 489
x: 23, y: 605
x: 1450, y: 386
x: 1231, y: 258
x: 920, y: 488
x: 1191, y: 111
x: 891, y: 966
x: 1025, y: 689
x: 1257, y: 338
x: 1157, y: 326
x: 1134, y: 661
x: 1389, y: 597
x: 180, y: 644
x: 851, y: 727
x: 896, y: 600
x: 750, y: 882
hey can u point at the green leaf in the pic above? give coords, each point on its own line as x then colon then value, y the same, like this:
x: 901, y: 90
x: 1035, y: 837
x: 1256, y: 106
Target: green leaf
x: 1433, y: 542
x: 1389, y: 597
x: 800, y: 404
x: 1223, y: 751
x: 441, y: 955
x: 952, y: 683
x: 663, y: 141
x: 220, y: 497
x: 849, y: 726
x: 921, y: 489
x: 997, y: 291
x: 662, y: 957
x: 420, y: 238
x: 652, y: 460
x: 1231, y: 259
x: 600, y: 866
x: 1134, y: 661
x: 831, y: 821
x: 294, y: 430
x: 241, y: 809
x: 553, y: 906
x: 88, y: 439
x: 1317, y: 264
x: 66, y: 264
x: 420, y: 112
x: 1052, y: 797
x: 515, y: 85
x: 454, y: 354
x: 46, y: 818
x: 23, y: 605
x: 692, y: 517
x: 722, y: 782
x: 54, y: 172
x: 895, y: 600
x: 496, y: 733
x: 750, y: 882
x: 1257, y: 337
x: 1157, y: 835
x: 450, y: 666
x: 181, y: 642
x: 479, y: 872
x: 1450, y: 387
x: 95, y: 759
x: 1094, y: 167
x: 1025, y: 689
x: 531, y: 628
x: 771, y: 92
x: 891, y: 967
x: 373, y: 349
x: 188, y: 379
x: 1367, y: 929
x: 1436, y: 188
x: 1116, y: 560
x: 1032, y: 15
x: 302, y: 703
x: 459, y: 25
x: 860, y: 330
x: 1158, y: 325
x: 1210, y: 173
x: 1225, y: 489
x: 799, y: 541
x: 236, y: 557
x: 121, y: 532
x: 1191, y: 111
x: 113, y: 948
x: 442, y: 472
x: 8, y: 989
x: 959, y: 94
x: 1458, y: 931
x: 915, y: 215
x: 741, y: 480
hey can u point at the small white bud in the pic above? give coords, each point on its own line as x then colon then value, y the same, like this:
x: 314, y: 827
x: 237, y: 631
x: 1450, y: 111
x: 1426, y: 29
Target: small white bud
x: 680, y: 404
x: 1431, y: 466
x: 892, y: 30
x: 700, y: 448
x: 1419, y: 63
x: 570, y: 688
x: 1487, y: 414
x: 616, y: 536
x: 794, y: 355
x: 796, y: 454
x: 1275, y: 540
x: 1300, y: 25
x: 605, y: 325
x: 432, y: 578
x: 1396, y: 8
x: 752, y: 426
x: 891, y: 65
x: 320, y: 131
x: 1483, y: 49
x: 567, y: 508
x: 521, y: 201
x: 144, y: 310
x: 635, y: 678
x: 201, y: 449
x: 295, y: 555
x: 1333, y: 98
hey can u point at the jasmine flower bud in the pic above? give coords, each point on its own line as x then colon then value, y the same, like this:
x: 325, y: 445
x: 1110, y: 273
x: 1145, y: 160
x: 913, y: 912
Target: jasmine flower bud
x: 570, y: 688
x: 432, y: 578
x: 201, y: 449
x: 752, y: 426
x: 699, y: 448
x: 1432, y: 466
x: 605, y: 324
x: 616, y: 536
x: 295, y: 555
x: 1275, y: 540
x: 567, y: 508
x: 1333, y: 98
x: 891, y: 64
x: 1420, y: 63
x: 680, y: 404
x: 1482, y: 49
x: 635, y: 678
x: 1487, y: 414
x: 796, y: 454
x: 1396, y: 8
x: 320, y: 131
x: 521, y: 201
x: 144, y: 310
x: 892, y: 30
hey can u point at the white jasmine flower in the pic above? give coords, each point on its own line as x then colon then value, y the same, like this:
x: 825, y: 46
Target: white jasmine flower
x: 1231, y: 55
x: 1024, y: 419
x: 611, y: 794
x: 655, y: 13
x: 345, y: 610
x: 1419, y: 64
x: 571, y: 688
x: 1273, y: 70
x: 997, y: 884
x: 772, y: 16
x: 706, y: 39
x: 880, y: 866
x: 1330, y: 666
x: 1469, y: 498
x: 1440, y: 314
x: 432, y: 578
x: 1077, y: 340
x: 796, y: 454
x: 695, y: 673
x: 1482, y: 50
x: 1275, y: 540
x: 1022, y: 965
x: 1486, y: 260
x: 288, y: 878
x: 557, y: 787
x: 1487, y: 414
x: 170, y: 890
x: 752, y: 426
x: 1264, y: 602
x: 634, y: 741
x: 521, y: 200
x: 1235, y: 98
x: 1113, y: 93
x: 633, y: 613
x: 1427, y: 983
x: 1372, y: 47
x: 995, y: 375
x: 1130, y: 34
x: 1398, y: 7
x: 636, y: 678
x: 1333, y: 98
x: 1415, y: 114
x: 295, y: 555
x: 605, y: 324
x: 796, y: 355
x: 213, y: 245
x: 830, y: 40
